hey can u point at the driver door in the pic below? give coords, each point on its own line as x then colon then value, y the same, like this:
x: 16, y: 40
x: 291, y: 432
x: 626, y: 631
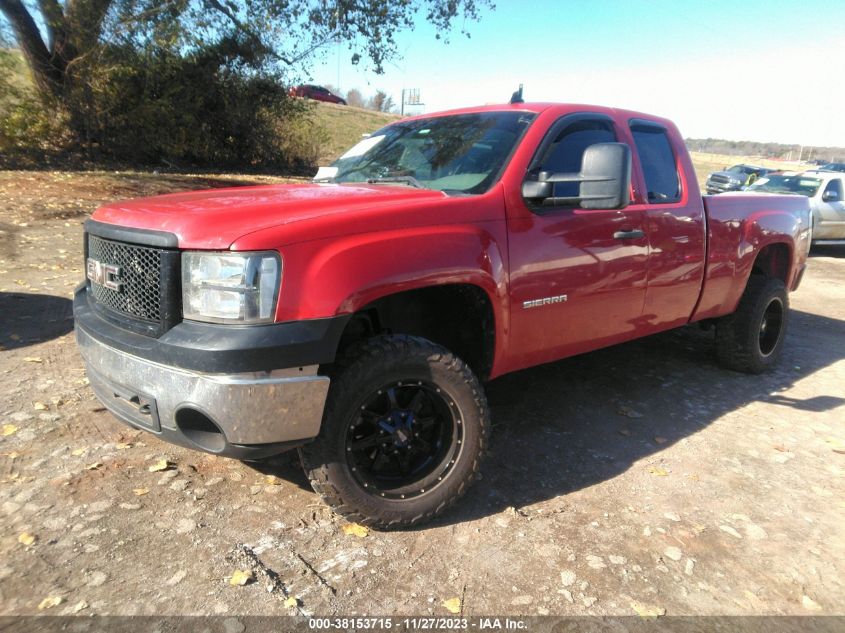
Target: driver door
x: 578, y: 276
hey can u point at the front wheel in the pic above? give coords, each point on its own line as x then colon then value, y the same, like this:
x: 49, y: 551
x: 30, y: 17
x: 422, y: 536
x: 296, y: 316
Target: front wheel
x: 405, y: 426
x: 751, y: 339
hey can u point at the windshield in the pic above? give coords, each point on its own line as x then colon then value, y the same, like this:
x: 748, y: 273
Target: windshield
x: 463, y: 153
x: 800, y: 185
x: 741, y: 169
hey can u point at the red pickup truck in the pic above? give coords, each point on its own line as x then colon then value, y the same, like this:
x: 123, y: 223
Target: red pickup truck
x: 358, y: 316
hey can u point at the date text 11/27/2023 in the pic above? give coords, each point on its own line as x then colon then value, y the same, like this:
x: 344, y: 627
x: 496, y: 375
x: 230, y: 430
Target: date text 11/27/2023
x: 418, y: 623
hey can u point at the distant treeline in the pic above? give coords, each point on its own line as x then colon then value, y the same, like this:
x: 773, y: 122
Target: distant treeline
x: 766, y: 150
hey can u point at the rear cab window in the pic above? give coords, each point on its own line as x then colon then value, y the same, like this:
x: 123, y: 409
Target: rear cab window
x: 658, y: 162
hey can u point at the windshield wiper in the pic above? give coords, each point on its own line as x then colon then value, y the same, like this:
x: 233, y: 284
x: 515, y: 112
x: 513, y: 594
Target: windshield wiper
x: 405, y: 180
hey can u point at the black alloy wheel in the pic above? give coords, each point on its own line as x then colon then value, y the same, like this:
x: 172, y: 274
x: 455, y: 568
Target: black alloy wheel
x: 404, y: 439
x: 771, y: 326
x: 404, y: 430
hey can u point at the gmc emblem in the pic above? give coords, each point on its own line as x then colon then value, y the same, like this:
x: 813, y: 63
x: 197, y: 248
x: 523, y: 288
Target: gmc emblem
x: 103, y: 274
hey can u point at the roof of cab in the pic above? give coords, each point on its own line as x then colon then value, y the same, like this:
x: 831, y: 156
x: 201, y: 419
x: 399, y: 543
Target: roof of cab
x: 540, y: 107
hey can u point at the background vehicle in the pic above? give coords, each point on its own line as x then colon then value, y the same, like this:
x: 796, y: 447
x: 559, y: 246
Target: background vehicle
x: 734, y: 178
x: 357, y: 317
x: 826, y: 193
x: 832, y: 167
x: 318, y: 93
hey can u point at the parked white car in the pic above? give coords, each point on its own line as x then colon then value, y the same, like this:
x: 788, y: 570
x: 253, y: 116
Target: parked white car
x: 826, y: 191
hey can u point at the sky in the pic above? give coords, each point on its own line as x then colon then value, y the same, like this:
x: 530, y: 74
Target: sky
x: 752, y: 70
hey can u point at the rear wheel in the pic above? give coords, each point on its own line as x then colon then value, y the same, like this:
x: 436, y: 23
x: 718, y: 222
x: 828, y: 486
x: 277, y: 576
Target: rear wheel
x: 751, y: 339
x: 404, y: 430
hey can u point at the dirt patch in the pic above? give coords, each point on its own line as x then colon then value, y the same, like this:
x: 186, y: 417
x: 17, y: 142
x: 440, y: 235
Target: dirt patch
x: 639, y: 475
x: 48, y: 195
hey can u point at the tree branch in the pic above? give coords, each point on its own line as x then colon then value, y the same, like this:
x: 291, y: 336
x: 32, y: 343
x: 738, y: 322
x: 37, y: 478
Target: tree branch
x: 88, y: 15
x: 54, y: 19
x: 47, y: 77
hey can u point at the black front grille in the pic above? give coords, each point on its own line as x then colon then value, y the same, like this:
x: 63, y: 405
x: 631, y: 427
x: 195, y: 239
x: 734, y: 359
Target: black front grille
x: 144, y: 271
x: 718, y: 178
x: 139, y: 278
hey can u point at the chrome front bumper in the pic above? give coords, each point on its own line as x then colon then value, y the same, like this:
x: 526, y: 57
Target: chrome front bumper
x: 239, y: 415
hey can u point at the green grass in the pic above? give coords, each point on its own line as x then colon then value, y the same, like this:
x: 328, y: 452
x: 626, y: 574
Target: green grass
x: 345, y: 125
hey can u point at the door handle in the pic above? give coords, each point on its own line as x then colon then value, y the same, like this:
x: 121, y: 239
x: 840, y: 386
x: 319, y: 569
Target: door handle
x: 628, y: 235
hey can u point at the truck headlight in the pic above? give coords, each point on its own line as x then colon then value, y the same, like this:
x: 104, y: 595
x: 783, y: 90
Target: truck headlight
x: 230, y: 287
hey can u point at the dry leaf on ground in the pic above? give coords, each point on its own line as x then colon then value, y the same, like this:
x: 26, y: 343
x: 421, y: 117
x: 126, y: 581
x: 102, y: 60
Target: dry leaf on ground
x: 291, y: 602
x: 94, y: 466
x: 160, y: 465
x: 140, y: 492
x: 40, y: 406
x: 353, y: 529
x: 49, y: 603
x: 647, y: 610
x: 452, y: 605
x: 27, y: 539
x: 656, y: 470
x: 9, y: 429
x: 240, y: 578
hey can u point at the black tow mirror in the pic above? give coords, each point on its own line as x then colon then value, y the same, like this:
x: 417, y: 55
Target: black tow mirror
x: 604, y: 180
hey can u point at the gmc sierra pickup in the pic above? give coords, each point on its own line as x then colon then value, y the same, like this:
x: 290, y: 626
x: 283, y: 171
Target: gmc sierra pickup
x: 357, y: 317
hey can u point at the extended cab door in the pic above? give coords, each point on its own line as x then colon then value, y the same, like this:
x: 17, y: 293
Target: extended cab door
x: 675, y: 225
x: 577, y: 276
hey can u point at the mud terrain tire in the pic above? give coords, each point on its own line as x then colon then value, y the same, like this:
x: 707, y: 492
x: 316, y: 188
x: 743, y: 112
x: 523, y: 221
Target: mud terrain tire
x: 421, y: 417
x: 751, y: 339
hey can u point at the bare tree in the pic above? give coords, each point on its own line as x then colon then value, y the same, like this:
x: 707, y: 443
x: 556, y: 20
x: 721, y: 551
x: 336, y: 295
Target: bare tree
x: 381, y: 102
x: 355, y: 98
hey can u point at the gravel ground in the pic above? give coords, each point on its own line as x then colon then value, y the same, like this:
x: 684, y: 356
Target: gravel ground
x: 638, y: 479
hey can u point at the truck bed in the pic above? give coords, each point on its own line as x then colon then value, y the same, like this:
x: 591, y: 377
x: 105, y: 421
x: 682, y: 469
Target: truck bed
x: 738, y: 228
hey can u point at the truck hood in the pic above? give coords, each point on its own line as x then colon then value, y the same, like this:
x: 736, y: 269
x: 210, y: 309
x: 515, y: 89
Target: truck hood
x: 726, y: 174
x: 215, y: 218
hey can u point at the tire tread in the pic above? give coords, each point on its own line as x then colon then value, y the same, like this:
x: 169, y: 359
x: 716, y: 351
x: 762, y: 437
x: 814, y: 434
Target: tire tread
x: 351, y: 368
x: 736, y: 336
